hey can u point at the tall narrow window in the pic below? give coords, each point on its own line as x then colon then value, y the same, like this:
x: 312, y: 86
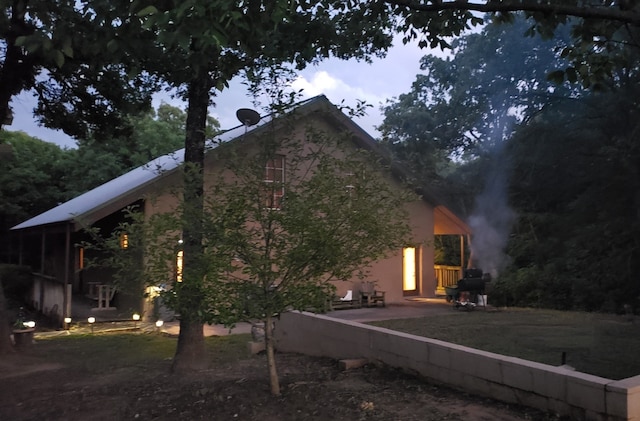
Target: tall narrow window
x: 274, y: 182
x: 80, y: 257
x: 179, y: 261
x: 124, y: 241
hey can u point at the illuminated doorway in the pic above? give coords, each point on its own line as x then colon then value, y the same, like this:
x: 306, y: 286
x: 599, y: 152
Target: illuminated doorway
x: 409, y: 271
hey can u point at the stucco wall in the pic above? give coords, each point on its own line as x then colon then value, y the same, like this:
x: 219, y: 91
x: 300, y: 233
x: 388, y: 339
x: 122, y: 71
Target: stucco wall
x: 47, y: 296
x: 554, y: 389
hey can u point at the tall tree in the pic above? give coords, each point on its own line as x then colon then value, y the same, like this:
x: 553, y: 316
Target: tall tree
x: 201, y: 46
x: 465, y: 106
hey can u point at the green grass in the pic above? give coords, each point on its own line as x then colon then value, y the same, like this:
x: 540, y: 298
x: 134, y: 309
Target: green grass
x: 599, y: 344
x: 113, y: 350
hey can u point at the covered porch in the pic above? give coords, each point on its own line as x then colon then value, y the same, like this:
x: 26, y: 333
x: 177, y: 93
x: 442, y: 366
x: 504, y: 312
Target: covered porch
x: 448, y: 224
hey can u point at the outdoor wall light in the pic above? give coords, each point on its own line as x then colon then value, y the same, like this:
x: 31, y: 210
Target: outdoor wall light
x: 91, y: 321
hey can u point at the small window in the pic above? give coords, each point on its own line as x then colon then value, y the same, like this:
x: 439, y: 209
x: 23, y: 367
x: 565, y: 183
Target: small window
x: 179, y: 261
x: 124, y: 241
x: 274, y: 182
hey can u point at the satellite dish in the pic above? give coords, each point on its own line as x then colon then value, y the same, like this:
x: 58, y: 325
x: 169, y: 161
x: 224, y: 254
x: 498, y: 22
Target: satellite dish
x: 247, y: 116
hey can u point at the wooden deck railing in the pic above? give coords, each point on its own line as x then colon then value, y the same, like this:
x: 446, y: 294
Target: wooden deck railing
x: 446, y: 276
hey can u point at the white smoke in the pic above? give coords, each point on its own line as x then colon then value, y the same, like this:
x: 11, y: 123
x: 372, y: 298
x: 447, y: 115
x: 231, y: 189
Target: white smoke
x: 491, y: 222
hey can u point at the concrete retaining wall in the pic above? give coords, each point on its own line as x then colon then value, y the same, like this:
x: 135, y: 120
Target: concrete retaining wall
x: 513, y: 380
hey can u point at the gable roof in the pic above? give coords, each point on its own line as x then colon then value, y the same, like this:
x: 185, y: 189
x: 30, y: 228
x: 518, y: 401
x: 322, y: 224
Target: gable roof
x: 120, y: 192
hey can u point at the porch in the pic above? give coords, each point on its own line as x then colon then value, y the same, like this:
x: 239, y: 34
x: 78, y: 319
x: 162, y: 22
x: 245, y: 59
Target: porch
x: 446, y: 276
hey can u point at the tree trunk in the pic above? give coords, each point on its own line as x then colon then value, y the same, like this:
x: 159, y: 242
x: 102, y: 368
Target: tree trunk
x: 5, y: 331
x: 190, y: 352
x: 271, y: 356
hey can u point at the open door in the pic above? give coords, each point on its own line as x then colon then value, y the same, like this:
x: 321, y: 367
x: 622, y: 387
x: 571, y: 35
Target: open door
x: 410, y: 271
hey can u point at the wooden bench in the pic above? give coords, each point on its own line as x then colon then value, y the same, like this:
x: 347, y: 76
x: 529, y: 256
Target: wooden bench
x: 371, y: 299
x: 348, y: 301
x: 370, y: 295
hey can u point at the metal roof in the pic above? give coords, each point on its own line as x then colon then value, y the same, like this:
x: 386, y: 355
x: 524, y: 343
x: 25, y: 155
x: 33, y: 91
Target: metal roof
x: 130, y: 186
x: 110, y: 192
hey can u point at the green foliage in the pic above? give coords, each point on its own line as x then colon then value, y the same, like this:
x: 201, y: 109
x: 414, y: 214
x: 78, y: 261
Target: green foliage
x: 602, y: 33
x: 97, y: 161
x: 447, y: 250
x: 16, y: 281
x: 459, y: 105
x: 576, y: 191
x: 32, y: 180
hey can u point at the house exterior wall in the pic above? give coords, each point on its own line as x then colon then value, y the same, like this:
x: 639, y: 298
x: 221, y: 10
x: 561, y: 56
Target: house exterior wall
x: 387, y: 273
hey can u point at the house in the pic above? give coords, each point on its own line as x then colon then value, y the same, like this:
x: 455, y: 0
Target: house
x: 49, y: 242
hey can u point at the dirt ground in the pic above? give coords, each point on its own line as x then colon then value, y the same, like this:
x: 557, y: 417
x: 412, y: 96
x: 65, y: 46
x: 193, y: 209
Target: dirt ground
x: 312, y: 389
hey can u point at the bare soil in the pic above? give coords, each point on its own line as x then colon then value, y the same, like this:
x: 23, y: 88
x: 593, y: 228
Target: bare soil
x: 34, y: 388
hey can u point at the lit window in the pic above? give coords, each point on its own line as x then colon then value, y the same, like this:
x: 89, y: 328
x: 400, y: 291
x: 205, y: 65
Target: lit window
x: 179, y: 260
x: 274, y: 182
x: 124, y: 241
x: 80, y: 257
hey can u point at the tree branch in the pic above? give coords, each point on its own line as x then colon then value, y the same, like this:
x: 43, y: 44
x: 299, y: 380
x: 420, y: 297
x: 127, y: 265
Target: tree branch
x: 586, y: 12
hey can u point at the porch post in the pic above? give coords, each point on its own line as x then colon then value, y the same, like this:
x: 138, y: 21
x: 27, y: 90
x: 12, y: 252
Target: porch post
x: 20, y: 247
x: 42, y: 250
x: 66, y: 303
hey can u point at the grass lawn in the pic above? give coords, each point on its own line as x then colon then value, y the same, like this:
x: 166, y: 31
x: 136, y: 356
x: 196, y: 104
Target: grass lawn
x: 600, y: 344
x: 106, y: 351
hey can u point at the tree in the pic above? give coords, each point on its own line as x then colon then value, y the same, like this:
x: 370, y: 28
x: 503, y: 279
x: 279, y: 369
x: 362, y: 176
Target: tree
x: 199, y: 46
x: 602, y: 31
x: 153, y: 134
x: 464, y: 107
x: 31, y: 180
x: 338, y: 213
x: 57, y: 48
x: 576, y: 192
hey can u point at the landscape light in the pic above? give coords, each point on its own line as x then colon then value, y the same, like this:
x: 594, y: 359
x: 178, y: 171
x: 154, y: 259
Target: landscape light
x: 136, y: 317
x: 30, y: 324
x: 159, y: 323
x: 91, y: 321
x: 67, y: 322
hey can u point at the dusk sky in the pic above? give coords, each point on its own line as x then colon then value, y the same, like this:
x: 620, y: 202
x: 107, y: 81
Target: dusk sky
x: 339, y: 80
